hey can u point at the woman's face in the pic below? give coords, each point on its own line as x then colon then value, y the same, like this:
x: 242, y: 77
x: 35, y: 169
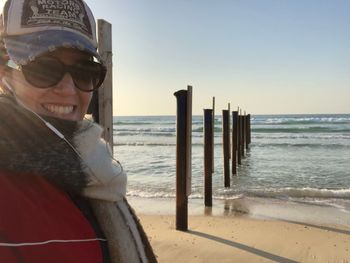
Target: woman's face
x: 62, y: 100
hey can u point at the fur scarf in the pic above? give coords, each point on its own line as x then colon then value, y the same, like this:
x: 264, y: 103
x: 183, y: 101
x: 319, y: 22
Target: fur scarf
x: 27, y: 145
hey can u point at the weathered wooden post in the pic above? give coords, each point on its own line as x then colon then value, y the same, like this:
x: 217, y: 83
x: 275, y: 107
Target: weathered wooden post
x: 105, y: 95
x: 244, y: 132
x: 241, y: 125
x: 208, y: 156
x: 234, y: 141
x: 229, y: 128
x: 183, y: 156
x: 101, y: 106
x: 226, y: 146
x: 249, y: 130
x: 213, y: 147
x: 239, y: 152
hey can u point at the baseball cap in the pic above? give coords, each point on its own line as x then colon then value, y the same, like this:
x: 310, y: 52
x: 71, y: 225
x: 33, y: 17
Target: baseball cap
x: 30, y: 28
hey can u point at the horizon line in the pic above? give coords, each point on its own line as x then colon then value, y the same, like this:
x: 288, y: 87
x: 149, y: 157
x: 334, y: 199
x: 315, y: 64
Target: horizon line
x: 264, y: 114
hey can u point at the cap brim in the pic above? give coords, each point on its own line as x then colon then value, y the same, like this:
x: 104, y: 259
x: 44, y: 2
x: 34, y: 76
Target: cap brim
x: 24, y: 48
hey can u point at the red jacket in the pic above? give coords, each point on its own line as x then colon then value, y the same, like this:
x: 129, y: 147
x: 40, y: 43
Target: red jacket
x: 39, y: 223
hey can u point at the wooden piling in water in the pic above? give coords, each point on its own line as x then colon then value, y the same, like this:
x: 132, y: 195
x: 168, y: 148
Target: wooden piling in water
x: 226, y: 146
x: 244, y: 133
x: 229, y: 128
x: 234, y: 141
x: 239, y: 138
x: 183, y: 156
x: 208, y: 156
x: 213, y: 147
x: 241, y: 125
x: 249, y: 130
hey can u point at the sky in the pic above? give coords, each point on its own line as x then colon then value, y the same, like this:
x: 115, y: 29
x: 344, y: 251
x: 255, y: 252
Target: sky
x: 265, y: 56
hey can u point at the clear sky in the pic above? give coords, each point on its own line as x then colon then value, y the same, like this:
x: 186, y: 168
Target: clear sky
x: 267, y: 56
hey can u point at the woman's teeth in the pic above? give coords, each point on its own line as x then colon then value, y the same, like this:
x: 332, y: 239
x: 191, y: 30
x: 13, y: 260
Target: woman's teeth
x: 58, y: 109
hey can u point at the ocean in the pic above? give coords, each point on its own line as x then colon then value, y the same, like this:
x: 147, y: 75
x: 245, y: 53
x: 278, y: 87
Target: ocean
x: 299, y: 159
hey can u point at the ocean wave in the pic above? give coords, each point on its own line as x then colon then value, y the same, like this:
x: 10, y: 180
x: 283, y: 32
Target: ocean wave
x: 302, y: 145
x: 144, y: 194
x: 145, y: 129
x: 254, y: 145
x: 143, y: 144
x: 255, y: 129
x: 301, y: 193
x: 226, y: 194
x: 142, y: 133
x: 201, y: 129
x: 300, y: 130
x: 157, y: 144
x: 196, y: 132
x: 132, y: 123
x: 292, y: 133
x: 153, y: 134
x: 342, y: 119
x: 325, y: 136
x: 164, y: 194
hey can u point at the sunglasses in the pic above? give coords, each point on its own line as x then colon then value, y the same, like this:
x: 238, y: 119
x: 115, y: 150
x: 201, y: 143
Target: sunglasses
x: 45, y: 72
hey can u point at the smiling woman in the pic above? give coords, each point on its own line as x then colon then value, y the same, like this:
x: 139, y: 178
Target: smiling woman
x: 64, y: 192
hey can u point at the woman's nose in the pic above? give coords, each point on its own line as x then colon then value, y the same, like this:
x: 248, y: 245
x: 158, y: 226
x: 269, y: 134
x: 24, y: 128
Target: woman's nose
x: 66, y: 86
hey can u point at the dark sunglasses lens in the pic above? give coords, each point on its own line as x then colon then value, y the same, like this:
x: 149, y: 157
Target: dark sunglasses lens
x: 88, y: 75
x: 43, y: 72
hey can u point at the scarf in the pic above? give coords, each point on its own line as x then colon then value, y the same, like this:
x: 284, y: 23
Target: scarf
x: 87, y: 169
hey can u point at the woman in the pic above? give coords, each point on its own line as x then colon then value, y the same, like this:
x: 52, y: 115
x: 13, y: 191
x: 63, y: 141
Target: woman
x: 62, y: 195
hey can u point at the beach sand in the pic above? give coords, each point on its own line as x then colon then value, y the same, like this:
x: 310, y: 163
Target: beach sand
x: 235, y: 236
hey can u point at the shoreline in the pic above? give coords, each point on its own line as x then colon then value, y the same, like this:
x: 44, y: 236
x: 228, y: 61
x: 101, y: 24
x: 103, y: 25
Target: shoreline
x: 246, y: 230
x: 255, y: 208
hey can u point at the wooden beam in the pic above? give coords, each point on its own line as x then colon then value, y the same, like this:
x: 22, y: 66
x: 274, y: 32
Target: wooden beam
x: 105, y: 92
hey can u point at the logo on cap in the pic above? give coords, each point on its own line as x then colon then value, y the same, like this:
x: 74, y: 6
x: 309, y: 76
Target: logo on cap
x: 66, y: 13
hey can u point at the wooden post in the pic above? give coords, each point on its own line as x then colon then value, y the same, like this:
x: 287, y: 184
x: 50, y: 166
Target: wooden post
x: 105, y: 95
x: 208, y: 158
x: 226, y: 146
x: 213, y: 147
x: 234, y: 141
x: 249, y: 130
x: 183, y: 143
x: 189, y: 140
x: 229, y: 128
x: 239, y: 152
x: 241, y: 134
x: 244, y: 133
